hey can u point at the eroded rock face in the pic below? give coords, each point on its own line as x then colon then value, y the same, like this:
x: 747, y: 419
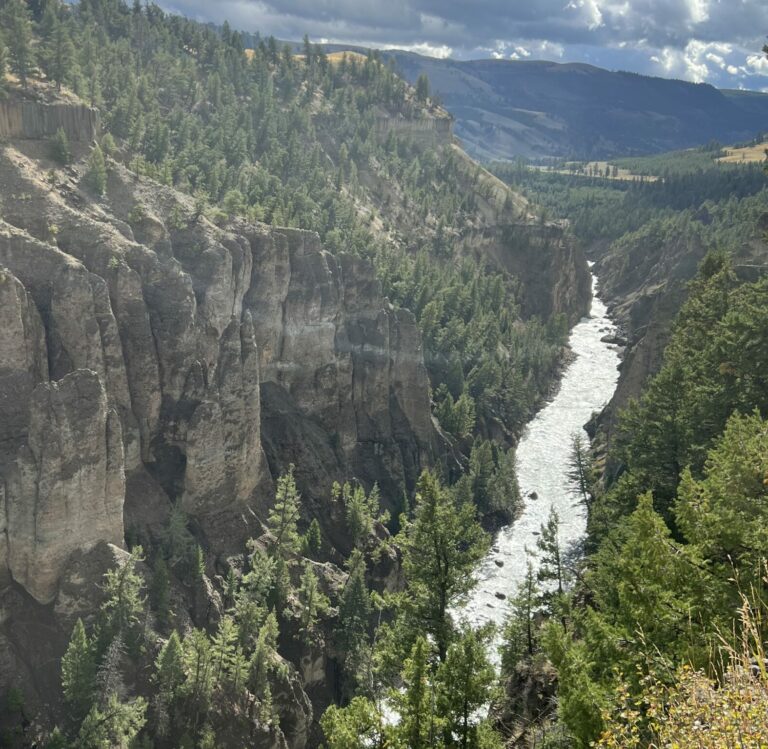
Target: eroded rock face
x: 139, y: 340
x: 67, y: 488
x: 347, y: 360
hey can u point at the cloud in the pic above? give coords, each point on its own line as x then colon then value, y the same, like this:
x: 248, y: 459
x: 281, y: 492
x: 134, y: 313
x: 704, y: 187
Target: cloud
x: 757, y: 64
x: 685, y: 38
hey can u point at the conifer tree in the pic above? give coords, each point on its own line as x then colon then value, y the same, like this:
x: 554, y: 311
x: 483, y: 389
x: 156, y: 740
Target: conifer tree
x: 96, y: 175
x: 59, y: 54
x: 120, y: 614
x: 198, y: 670
x: 284, y: 515
x: 313, y: 603
x: 420, y: 727
x: 78, y: 672
x: 170, y: 667
x: 312, y: 542
x: 115, y: 725
x: 440, y: 546
x: 357, y: 726
x: 422, y: 88
x: 551, y: 566
x: 159, y: 591
x: 3, y: 64
x: 464, y: 684
x: 169, y: 677
x: 519, y: 636
x: 17, y: 26
x: 60, y: 150
x: 579, y: 469
x: 354, y: 605
x: 227, y: 661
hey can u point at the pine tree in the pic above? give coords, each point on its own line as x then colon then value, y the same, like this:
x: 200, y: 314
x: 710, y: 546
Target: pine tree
x: 354, y: 606
x: 96, y: 175
x: 198, y: 670
x: 260, y: 579
x: 261, y: 665
x: 519, y: 636
x: 231, y: 587
x: 580, y: 469
x: 359, y: 725
x: 17, y: 26
x: 59, y: 54
x: 116, y: 725
x: 503, y: 489
x: 60, y: 150
x: 159, y: 591
x: 78, y: 672
x: 551, y: 566
x: 227, y: 661
x: 440, y: 547
x: 169, y: 677
x: 464, y: 685
x: 120, y: 614
x: 422, y: 88
x: 284, y: 515
x: 170, y: 668
x: 3, y: 64
x: 313, y: 603
x: 178, y: 544
x: 312, y: 542
x: 420, y: 727
x: 360, y: 510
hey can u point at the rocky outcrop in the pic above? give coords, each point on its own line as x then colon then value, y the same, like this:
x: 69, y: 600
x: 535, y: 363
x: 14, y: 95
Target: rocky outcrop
x: 553, y: 273
x: 348, y: 361
x: 428, y: 131
x: 139, y: 342
x: 61, y: 444
x: 67, y: 488
x: 36, y: 120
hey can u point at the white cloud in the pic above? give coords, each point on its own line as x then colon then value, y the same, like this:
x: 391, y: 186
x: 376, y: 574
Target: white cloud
x: 589, y: 11
x: 696, y: 61
x: 757, y: 64
x: 699, y: 40
x: 442, y: 50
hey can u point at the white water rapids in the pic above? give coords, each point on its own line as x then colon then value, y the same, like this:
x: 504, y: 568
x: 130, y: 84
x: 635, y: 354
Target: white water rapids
x: 543, y: 454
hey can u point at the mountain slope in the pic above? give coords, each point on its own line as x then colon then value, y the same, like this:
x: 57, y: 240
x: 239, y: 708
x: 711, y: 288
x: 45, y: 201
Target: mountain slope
x: 508, y: 108
x: 222, y: 290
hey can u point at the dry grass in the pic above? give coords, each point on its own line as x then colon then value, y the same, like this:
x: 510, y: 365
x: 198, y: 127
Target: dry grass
x: 745, y: 155
x: 623, y: 175
x: 336, y: 57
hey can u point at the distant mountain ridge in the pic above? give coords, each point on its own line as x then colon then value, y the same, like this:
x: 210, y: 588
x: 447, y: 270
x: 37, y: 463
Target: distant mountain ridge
x: 532, y: 108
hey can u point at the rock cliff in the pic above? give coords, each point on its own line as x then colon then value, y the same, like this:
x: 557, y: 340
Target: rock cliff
x: 136, y: 342
x: 644, y: 281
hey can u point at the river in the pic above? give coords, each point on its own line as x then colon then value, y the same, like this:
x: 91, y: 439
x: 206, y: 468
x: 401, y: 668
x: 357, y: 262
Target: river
x: 587, y: 384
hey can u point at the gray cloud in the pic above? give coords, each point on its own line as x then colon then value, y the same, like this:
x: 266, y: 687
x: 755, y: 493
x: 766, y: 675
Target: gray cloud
x: 696, y: 39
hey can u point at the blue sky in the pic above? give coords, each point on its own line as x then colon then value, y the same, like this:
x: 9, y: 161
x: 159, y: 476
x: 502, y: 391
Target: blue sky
x: 713, y: 41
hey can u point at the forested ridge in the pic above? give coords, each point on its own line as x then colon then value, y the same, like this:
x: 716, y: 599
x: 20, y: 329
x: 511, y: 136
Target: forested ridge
x: 314, y: 143
x: 182, y: 650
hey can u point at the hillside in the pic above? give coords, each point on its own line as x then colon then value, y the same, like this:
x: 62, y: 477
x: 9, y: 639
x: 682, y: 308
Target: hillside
x: 510, y: 108
x: 256, y: 312
x: 665, y: 616
x: 648, y: 237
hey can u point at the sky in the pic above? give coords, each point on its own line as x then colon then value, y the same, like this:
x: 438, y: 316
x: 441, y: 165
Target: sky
x: 712, y: 41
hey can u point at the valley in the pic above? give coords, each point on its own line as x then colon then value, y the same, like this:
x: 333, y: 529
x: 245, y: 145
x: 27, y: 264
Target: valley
x: 317, y: 432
